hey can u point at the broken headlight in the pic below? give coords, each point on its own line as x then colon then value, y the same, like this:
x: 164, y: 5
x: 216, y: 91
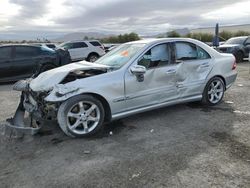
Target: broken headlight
x: 22, y: 85
x: 61, y: 90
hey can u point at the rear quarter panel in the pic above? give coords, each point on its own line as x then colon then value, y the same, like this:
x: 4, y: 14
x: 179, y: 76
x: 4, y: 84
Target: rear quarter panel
x: 222, y: 67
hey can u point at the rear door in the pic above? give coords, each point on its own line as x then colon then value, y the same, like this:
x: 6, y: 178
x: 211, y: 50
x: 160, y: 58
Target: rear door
x: 5, y: 62
x: 25, y: 61
x: 194, y: 65
x: 78, y: 50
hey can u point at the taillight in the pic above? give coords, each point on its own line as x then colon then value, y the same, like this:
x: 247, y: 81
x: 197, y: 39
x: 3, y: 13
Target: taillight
x: 234, y: 65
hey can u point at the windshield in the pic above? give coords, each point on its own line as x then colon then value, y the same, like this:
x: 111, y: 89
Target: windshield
x: 120, y: 55
x: 62, y: 45
x: 238, y: 40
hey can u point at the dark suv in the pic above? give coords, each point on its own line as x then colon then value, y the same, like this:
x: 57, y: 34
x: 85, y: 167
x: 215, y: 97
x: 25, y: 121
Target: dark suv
x: 238, y: 46
x: 22, y: 61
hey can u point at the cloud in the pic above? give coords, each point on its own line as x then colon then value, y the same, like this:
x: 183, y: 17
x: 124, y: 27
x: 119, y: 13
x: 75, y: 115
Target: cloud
x: 119, y: 16
x: 31, y: 8
x: 140, y: 15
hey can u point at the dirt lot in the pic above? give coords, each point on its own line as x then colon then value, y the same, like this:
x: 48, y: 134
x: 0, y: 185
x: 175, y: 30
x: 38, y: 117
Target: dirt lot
x: 180, y: 146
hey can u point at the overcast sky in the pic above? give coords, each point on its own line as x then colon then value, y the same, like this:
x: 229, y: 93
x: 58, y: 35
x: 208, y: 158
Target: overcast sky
x: 50, y: 17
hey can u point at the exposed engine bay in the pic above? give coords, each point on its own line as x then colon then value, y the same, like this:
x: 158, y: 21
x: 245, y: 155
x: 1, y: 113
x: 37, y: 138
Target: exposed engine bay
x: 79, y: 74
x: 33, y: 102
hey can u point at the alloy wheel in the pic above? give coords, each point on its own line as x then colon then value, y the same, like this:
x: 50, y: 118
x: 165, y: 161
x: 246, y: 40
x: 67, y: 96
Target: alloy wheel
x: 83, y: 117
x: 215, y: 91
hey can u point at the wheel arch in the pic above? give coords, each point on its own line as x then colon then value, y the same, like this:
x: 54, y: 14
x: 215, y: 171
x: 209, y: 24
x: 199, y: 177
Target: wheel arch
x: 93, y: 53
x: 220, y: 76
x: 105, y: 104
x: 237, y: 52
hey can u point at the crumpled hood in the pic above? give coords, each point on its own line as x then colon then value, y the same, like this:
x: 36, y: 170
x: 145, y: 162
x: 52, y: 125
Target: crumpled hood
x: 47, y: 80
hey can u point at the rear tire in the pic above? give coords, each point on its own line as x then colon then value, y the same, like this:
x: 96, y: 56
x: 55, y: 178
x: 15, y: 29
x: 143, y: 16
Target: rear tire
x: 92, y: 58
x: 239, y: 56
x: 81, y: 116
x: 213, y: 92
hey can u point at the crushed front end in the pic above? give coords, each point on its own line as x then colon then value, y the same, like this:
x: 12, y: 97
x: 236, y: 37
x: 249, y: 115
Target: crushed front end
x: 31, y: 111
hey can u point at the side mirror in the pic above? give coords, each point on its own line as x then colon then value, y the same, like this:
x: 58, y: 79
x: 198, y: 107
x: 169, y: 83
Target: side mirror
x: 138, y: 71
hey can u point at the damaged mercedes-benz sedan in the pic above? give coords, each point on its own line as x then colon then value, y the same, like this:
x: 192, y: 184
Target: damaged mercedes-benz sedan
x: 135, y: 77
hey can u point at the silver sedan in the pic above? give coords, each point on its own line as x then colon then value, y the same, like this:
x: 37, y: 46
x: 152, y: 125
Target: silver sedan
x: 133, y: 78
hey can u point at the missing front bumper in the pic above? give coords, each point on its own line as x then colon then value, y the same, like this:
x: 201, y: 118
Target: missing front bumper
x: 18, y: 125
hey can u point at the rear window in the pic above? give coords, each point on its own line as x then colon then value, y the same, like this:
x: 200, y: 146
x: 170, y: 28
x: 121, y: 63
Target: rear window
x: 73, y: 45
x: 25, y: 51
x: 5, y: 53
x: 95, y: 43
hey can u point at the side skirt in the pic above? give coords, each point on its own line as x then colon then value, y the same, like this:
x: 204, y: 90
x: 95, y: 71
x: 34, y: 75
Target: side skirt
x: 156, y: 106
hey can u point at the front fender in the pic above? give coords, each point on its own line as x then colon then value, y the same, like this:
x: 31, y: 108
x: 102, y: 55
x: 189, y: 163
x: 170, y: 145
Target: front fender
x: 55, y: 95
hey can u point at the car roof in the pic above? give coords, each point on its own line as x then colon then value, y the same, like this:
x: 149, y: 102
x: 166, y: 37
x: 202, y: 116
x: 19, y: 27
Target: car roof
x: 82, y: 41
x: 26, y: 45
x: 239, y: 37
x: 158, y: 40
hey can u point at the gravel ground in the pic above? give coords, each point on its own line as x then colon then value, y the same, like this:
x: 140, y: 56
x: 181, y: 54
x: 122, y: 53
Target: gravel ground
x: 180, y: 146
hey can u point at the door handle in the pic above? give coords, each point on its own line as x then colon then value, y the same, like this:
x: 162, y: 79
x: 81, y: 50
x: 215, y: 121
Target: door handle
x: 171, y: 71
x: 204, y: 65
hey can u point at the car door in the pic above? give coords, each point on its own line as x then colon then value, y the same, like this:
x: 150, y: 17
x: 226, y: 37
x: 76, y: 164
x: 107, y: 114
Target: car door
x: 194, y: 65
x: 5, y: 62
x: 159, y: 83
x: 25, y: 61
x: 78, y: 50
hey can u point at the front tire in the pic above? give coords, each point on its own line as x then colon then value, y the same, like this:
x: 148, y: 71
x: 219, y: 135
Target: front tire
x: 81, y: 116
x: 213, y: 92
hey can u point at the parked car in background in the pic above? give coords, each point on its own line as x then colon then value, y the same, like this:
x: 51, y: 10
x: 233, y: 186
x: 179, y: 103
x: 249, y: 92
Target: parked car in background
x: 109, y: 47
x: 22, y: 61
x: 84, y: 50
x: 238, y: 46
x: 135, y: 77
x: 49, y: 45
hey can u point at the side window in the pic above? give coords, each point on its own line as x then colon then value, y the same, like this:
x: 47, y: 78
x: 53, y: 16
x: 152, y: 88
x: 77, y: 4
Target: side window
x: 185, y: 51
x: 51, y: 46
x: 5, y: 53
x: 156, y: 56
x: 95, y: 43
x: 248, y: 41
x: 79, y: 45
x: 188, y: 51
x: 26, y: 51
x: 202, y: 54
